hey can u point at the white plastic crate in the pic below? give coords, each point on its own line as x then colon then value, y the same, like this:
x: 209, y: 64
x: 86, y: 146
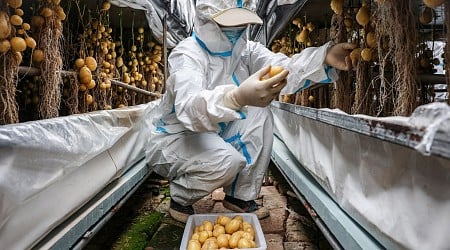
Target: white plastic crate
x: 198, y: 219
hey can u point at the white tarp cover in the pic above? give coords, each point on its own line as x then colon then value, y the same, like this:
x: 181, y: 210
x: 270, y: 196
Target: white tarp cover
x: 180, y: 17
x: 50, y: 168
x: 398, y: 193
x: 181, y: 13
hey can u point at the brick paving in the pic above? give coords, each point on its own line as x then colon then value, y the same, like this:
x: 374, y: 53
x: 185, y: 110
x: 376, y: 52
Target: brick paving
x: 289, y: 226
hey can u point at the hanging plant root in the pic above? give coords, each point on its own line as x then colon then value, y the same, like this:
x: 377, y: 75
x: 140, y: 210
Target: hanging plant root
x: 9, y: 64
x: 396, y: 26
x: 50, y: 41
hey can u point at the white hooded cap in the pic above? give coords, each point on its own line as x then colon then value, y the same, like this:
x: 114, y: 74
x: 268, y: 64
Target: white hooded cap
x: 229, y: 12
x: 236, y: 17
x: 208, y: 31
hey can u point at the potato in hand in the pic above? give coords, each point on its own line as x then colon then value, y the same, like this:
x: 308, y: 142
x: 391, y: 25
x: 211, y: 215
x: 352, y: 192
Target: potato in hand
x: 273, y: 71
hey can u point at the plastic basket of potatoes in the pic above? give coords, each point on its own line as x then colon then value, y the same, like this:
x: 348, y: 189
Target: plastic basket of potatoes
x: 223, y: 231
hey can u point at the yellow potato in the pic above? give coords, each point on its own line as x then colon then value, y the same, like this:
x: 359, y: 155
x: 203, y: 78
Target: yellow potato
x: 238, y: 217
x: 203, y: 236
x: 223, y: 220
x: 222, y: 240
x: 194, y: 245
x: 244, y: 243
x: 248, y: 235
x: 210, y: 244
x: 218, y: 230
x: 195, y: 236
x: 207, y: 225
x: 273, y: 71
x: 245, y: 224
x: 232, y: 226
x: 234, y: 240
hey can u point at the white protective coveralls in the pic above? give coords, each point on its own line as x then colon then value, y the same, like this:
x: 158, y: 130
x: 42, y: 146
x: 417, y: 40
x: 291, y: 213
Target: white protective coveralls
x: 200, y: 144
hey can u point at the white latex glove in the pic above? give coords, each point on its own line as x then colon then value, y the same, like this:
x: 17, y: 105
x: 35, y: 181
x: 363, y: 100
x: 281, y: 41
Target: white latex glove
x: 256, y: 92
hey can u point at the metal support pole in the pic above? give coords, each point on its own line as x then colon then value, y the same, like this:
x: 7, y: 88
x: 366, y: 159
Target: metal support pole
x: 138, y: 90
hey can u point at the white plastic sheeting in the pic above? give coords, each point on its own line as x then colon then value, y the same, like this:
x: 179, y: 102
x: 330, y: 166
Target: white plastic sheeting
x: 180, y: 17
x: 399, y: 194
x: 50, y: 168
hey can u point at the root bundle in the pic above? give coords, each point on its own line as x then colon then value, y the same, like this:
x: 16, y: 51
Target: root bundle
x: 9, y: 66
x: 396, y: 32
x: 342, y: 94
x: 50, y: 41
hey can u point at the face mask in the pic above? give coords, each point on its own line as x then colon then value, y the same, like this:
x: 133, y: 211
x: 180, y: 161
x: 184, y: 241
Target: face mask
x: 233, y: 33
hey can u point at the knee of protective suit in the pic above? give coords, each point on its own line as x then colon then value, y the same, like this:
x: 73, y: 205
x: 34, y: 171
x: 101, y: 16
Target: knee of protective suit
x: 232, y: 165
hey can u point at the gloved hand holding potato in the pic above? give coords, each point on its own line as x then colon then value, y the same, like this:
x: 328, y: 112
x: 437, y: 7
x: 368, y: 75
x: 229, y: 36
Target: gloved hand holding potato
x: 257, y: 90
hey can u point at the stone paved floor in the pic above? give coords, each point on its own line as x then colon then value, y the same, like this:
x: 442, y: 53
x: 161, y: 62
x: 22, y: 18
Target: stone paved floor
x: 288, y: 227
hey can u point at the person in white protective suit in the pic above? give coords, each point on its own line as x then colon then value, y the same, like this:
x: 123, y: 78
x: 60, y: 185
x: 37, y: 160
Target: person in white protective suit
x: 214, y: 128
